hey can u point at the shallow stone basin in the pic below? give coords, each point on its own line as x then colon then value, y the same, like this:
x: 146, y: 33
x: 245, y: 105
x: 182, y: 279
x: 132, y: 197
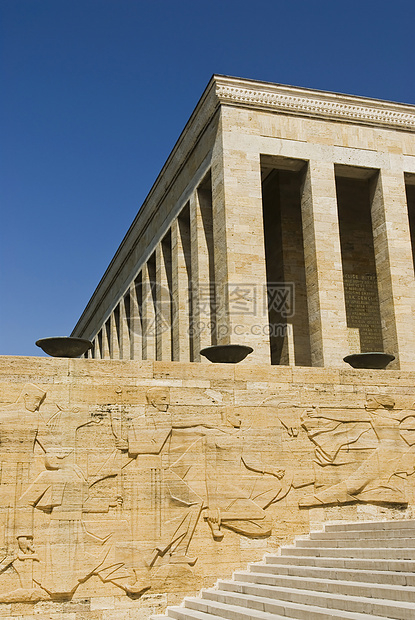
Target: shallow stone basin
x: 226, y: 353
x: 64, y: 346
x: 375, y: 360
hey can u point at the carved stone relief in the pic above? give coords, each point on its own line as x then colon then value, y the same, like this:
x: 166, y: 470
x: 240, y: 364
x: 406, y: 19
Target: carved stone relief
x: 116, y: 496
x: 386, y: 434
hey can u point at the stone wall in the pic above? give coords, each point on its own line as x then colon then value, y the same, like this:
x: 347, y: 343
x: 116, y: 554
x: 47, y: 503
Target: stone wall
x: 126, y: 485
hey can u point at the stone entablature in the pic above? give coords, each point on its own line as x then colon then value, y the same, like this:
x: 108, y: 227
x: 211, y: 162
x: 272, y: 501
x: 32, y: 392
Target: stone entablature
x: 127, y: 485
x: 320, y: 104
x: 258, y: 157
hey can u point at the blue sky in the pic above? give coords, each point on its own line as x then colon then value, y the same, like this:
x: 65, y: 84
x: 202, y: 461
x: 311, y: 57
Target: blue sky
x: 95, y: 94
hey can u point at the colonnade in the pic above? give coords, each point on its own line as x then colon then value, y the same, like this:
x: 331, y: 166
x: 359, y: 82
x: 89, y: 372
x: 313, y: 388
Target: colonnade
x: 185, y: 295
x: 168, y: 311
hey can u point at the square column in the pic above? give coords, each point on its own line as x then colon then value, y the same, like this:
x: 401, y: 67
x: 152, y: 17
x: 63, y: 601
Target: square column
x: 148, y: 314
x: 203, y: 291
x: 105, y: 332
x: 180, y: 295
x: 96, y: 349
x: 124, y: 334
x: 394, y: 267
x: 323, y: 266
x: 135, y: 324
x: 114, y: 344
x: 163, y: 315
x: 240, y: 271
x: 298, y: 336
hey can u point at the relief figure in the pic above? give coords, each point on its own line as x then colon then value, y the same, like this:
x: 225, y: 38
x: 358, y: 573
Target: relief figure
x: 61, y: 491
x: 173, y: 445
x: 21, y: 428
x: 240, y: 483
x: 381, y: 476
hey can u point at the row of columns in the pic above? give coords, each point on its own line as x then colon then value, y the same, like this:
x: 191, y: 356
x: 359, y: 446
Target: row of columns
x: 166, y: 313
x: 324, y: 274
x: 218, y: 242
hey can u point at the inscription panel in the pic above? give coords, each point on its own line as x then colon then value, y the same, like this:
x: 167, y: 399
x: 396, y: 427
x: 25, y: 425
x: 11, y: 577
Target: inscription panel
x: 362, y: 309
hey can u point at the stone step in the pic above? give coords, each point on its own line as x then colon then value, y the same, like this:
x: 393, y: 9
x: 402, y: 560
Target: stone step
x: 185, y: 613
x: 356, y: 571
x: 351, y: 552
x: 273, y: 599
x: 386, y: 577
x: 367, y: 525
x: 363, y: 543
x: 334, y: 586
x: 256, y: 611
x: 348, y: 563
x: 225, y: 610
x: 361, y: 534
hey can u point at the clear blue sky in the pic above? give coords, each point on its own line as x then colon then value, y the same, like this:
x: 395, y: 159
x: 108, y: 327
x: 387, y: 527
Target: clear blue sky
x: 95, y: 94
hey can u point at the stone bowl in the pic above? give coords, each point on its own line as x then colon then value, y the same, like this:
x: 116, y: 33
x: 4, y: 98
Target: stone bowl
x: 64, y: 346
x: 375, y: 360
x: 226, y: 353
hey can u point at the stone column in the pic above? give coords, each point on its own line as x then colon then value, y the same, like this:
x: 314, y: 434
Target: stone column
x: 323, y: 266
x: 180, y: 297
x: 240, y: 271
x: 394, y: 267
x: 163, y: 315
x: 148, y: 315
x: 114, y: 344
x: 105, y: 351
x: 298, y: 336
x: 135, y: 327
x: 97, y: 351
x: 203, y: 292
x: 124, y: 333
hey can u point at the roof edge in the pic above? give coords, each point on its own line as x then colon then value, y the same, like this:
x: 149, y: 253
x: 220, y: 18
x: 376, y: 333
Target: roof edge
x: 317, y: 103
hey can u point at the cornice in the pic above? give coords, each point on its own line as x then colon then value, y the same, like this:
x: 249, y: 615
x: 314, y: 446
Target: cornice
x: 330, y: 106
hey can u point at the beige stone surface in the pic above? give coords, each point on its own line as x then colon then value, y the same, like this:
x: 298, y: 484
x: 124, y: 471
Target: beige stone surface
x: 202, y: 266
x: 135, y: 325
x: 163, y: 275
x: 126, y: 485
x: 180, y: 242
x: 323, y: 266
x: 391, y: 235
x: 239, y: 244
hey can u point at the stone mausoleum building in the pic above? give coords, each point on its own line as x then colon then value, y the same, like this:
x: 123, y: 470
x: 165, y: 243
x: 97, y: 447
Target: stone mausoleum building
x: 284, y: 219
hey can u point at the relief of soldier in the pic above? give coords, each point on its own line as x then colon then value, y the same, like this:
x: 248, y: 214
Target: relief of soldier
x: 105, y: 496
x: 381, y: 476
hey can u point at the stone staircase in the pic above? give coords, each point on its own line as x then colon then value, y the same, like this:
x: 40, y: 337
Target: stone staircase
x: 353, y: 571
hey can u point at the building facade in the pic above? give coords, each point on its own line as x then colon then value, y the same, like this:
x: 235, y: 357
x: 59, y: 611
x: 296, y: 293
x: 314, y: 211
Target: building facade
x: 284, y: 219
